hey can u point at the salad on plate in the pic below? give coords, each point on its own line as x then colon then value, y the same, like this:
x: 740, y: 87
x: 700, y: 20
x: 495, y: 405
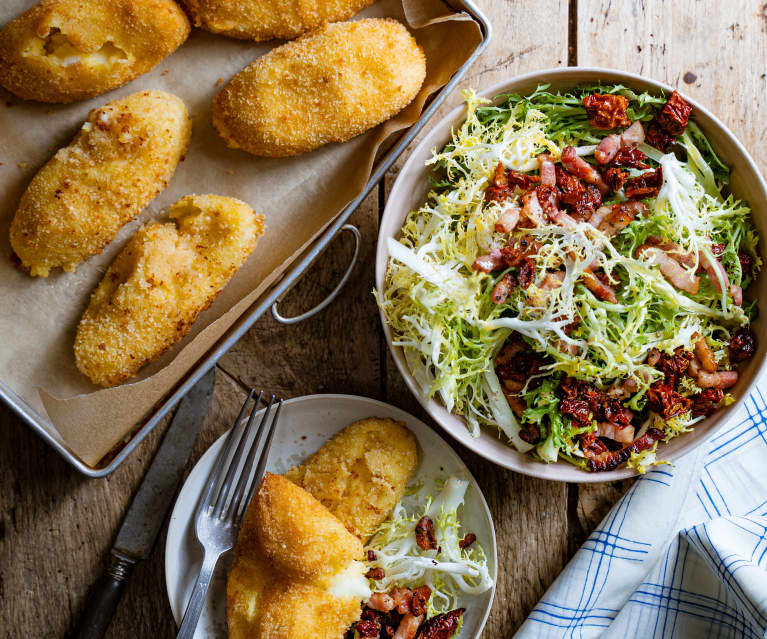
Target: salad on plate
x: 575, y: 279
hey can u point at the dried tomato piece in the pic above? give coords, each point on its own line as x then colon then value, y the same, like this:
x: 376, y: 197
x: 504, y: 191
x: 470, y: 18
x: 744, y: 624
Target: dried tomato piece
x: 665, y: 401
x: 530, y: 433
x: 746, y: 262
x: 572, y: 388
x: 606, y: 111
x: 367, y: 628
x: 441, y: 626
x: 657, y: 137
x: 706, y: 402
x: 420, y: 600
x: 577, y: 410
x: 608, y: 460
x: 674, y: 115
x: 526, y: 272
x: 632, y: 157
x: 591, y: 445
x: 375, y: 573
x: 424, y: 533
x: 615, y: 177
x: 467, y: 541
x: 587, y: 203
x: 515, y: 252
x: 646, y: 185
x: 570, y: 186
x: 548, y: 198
x: 372, y: 555
x: 524, y: 181
x: 742, y: 345
x: 673, y: 366
x: 615, y: 413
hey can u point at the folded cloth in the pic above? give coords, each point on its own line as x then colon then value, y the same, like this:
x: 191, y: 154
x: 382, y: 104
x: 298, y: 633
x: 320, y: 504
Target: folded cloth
x: 682, y: 554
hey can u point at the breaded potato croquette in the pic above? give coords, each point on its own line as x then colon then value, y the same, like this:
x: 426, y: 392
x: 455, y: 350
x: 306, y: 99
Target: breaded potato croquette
x: 297, y: 572
x: 123, y: 156
x: 68, y: 50
x: 158, y: 284
x: 361, y: 473
x: 266, y: 19
x: 328, y: 86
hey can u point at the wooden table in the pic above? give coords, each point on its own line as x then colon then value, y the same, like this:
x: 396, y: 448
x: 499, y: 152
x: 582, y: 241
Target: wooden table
x: 56, y: 527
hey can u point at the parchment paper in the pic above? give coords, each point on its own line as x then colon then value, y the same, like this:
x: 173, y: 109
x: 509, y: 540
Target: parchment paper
x: 298, y: 196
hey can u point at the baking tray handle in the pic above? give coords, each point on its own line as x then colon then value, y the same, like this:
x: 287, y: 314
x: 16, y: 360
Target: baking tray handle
x: 333, y: 294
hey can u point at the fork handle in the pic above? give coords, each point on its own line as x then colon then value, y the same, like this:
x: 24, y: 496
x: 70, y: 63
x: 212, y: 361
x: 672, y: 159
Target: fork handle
x: 197, y: 600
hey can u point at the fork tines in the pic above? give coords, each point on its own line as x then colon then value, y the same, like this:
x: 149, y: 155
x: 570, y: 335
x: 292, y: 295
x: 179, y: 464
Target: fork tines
x: 227, y: 499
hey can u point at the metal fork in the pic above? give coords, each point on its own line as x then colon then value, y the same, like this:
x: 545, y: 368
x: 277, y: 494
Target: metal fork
x: 220, y: 511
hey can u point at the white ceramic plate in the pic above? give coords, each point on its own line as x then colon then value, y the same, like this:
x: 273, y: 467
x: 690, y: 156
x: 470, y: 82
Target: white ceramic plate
x: 305, y: 424
x: 409, y: 193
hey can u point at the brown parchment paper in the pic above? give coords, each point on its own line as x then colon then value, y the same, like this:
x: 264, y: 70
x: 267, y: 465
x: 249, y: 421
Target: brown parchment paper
x: 299, y: 197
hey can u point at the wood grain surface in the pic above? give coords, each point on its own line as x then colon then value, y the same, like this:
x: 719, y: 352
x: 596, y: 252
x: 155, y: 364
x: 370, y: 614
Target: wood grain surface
x: 56, y: 527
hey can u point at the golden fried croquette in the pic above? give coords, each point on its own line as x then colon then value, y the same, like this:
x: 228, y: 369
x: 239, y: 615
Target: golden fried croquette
x: 297, y: 572
x: 266, y: 19
x: 160, y: 281
x: 68, y: 50
x: 328, y: 86
x: 123, y: 156
x: 361, y: 473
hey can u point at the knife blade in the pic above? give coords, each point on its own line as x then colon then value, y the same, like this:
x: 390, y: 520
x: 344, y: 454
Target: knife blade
x: 144, y: 519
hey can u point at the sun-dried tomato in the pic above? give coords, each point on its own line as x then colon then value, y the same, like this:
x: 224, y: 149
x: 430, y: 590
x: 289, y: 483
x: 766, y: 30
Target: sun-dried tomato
x: 570, y: 186
x: 657, y: 137
x: 674, y: 115
x: 717, y: 249
x: 746, y: 262
x: 606, y: 111
x: 587, y: 203
x: 526, y: 273
x: 615, y: 413
x: 515, y: 252
x: 467, y: 541
x: 742, y: 345
x: 424, y: 533
x: 571, y: 388
x: 643, y: 186
x: 524, y: 181
x: 530, y: 433
x: 441, y: 626
x: 367, y: 628
x: 548, y: 198
x: 665, y: 401
x: 375, y: 573
x: 673, y: 366
x: 706, y: 402
x: 420, y: 600
x: 632, y: 157
x: 615, y: 177
x: 577, y: 410
x: 607, y: 460
x: 591, y: 445
x: 372, y: 555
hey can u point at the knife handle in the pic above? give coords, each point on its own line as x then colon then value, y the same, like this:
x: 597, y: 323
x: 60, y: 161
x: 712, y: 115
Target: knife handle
x: 104, y: 599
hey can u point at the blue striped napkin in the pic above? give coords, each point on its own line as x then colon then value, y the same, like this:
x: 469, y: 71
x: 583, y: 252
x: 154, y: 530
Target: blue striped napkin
x: 683, y: 554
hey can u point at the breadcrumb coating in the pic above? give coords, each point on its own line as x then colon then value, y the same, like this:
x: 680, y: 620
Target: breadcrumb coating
x: 159, y: 283
x: 123, y: 156
x: 361, y: 473
x: 68, y: 50
x: 328, y: 86
x: 266, y: 19
x: 290, y: 553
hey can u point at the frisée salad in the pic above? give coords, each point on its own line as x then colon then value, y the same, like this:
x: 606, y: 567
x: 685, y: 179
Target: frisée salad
x: 576, y: 276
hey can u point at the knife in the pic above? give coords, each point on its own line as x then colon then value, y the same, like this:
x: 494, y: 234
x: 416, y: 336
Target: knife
x: 147, y: 511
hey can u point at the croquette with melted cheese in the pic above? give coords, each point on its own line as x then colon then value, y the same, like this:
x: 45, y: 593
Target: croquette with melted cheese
x: 266, y: 19
x: 159, y: 283
x: 328, y: 86
x: 68, y: 50
x: 297, y: 571
x: 122, y: 157
x: 361, y: 473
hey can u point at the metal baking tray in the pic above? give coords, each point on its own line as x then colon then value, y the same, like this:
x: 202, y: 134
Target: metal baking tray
x: 269, y: 300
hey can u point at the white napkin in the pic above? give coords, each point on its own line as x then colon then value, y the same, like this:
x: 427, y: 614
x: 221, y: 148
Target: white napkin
x: 683, y: 554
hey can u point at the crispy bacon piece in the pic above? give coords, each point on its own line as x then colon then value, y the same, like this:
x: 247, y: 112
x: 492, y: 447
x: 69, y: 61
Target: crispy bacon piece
x: 631, y: 157
x: 499, y: 189
x: 719, y: 379
x: 613, y: 145
x: 674, y: 250
x: 633, y: 136
x: 657, y: 137
x: 408, y: 627
x: 742, y: 345
x: 646, y: 185
x: 517, y: 362
x: 671, y: 269
x: 620, y: 216
x: 606, y: 111
x: 665, y: 401
x: 529, y: 432
x: 508, y: 219
x: 582, y: 169
x: 547, y: 171
x: 705, y: 355
x: 577, y: 410
x: 592, y: 446
x: 601, y: 290
x: 674, y: 115
x: 609, y: 460
x: 420, y: 599
x: 381, y: 601
x: 375, y: 573
x: 514, y: 253
x: 706, y: 402
x: 607, y: 148
x: 467, y: 541
x: 488, y: 263
x: 532, y: 213
x: 737, y: 294
x: 615, y: 177
x: 402, y: 598
x: 424, y: 533
x: 502, y: 289
x: 441, y: 626
x: 524, y: 181
x: 623, y: 434
x: 715, y: 270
